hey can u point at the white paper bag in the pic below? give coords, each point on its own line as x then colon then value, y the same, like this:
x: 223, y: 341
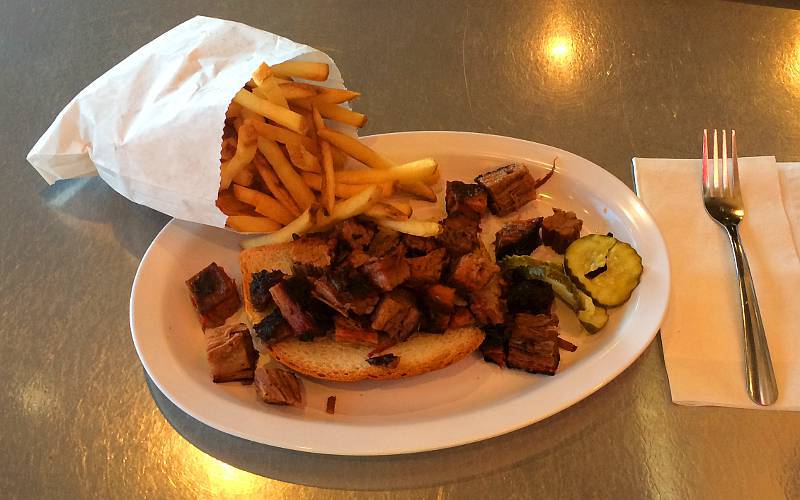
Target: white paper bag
x: 151, y: 126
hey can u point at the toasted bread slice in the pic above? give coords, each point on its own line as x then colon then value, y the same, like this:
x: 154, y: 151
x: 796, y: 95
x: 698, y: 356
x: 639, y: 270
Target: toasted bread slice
x: 327, y: 359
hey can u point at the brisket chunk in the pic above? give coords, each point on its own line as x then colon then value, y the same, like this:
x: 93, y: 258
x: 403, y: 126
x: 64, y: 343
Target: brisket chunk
x: 561, y: 229
x: 397, y: 314
x: 461, y: 318
x: 230, y: 353
x: 473, y: 271
x: 276, y: 386
x: 427, y: 268
x: 347, y: 330
x: 460, y: 234
x: 417, y: 246
x: 509, y: 187
x: 384, y: 242
x: 356, y: 235
x: 517, y: 238
x: 389, y: 271
x: 313, y: 253
x: 487, y: 303
x: 260, y: 284
x: 530, y: 296
x: 273, y: 328
x: 352, y: 291
x: 533, y: 345
x: 214, y: 295
x: 465, y: 199
x: 289, y: 296
x: 441, y: 298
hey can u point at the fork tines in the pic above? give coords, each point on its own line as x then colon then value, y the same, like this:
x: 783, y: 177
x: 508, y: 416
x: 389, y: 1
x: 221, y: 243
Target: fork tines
x: 721, y: 180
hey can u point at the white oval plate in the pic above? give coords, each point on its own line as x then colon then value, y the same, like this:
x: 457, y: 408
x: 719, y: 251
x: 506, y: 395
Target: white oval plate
x: 467, y: 402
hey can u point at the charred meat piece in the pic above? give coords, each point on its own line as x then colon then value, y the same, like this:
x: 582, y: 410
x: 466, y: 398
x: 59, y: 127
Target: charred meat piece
x: 273, y: 328
x: 356, y: 235
x: 354, y: 291
x: 493, y: 351
x: 509, y: 187
x: 347, y: 330
x: 260, y: 284
x: 214, y: 295
x: 436, y: 322
x: 397, y: 314
x: 487, y: 304
x: 327, y: 293
x: 561, y: 229
x: 389, y: 271
x: 566, y: 345
x: 384, y: 242
x: 426, y: 269
x: 465, y: 199
x: 533, y: 345
x: 460, y: 234
x: 313, y: 253
x: 461, y: 318
x: 230, y: 353
x: 473, y: 271
x: 517, y: 238
x: 356, y: 259
x: 441, y: 298
x: 387, y: 360
x: 330, y: 405
x: 278, y: 387
x: 530, y: 296
x: 289, y: 296
x: 417, y: 246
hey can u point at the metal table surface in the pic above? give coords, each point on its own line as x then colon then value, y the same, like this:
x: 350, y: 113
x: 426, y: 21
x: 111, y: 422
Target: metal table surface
x: 607, y: 80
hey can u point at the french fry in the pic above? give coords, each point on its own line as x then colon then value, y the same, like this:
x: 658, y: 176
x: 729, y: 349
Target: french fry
x: 401, y: 206
x: 272, y: 92
x: 420, y: 190
x: 228, y: 148
x: 301, y: 69
x: 261, y: 73
x: 229, y: 205
x: 383, y: 210
x: 298, y: 226
x: 294, y: 91
x: 274, y: 112
x: 245, y: 177
x: 274, y: 184
x: 314, y: 181
x: 350, y: 207
x: 413, y: 227
x: 249, y: 224
x: 234, y: 109
x: 335, y: 96
x: 265, y: 204
x: 328, y: 179
x: 245, y: 151
x: 249, y: 114
x: 409, y: 172
x: 284, y: 136
x: 334, y: 112
x: 356, y: 149
x: 339, y: 158
x: 301, y: 193
x: 302, y: 159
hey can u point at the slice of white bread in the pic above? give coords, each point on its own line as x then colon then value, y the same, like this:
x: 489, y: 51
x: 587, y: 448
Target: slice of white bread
x: 327, y: 359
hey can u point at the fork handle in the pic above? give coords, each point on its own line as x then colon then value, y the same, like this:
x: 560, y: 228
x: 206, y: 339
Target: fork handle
x: 761, y: 384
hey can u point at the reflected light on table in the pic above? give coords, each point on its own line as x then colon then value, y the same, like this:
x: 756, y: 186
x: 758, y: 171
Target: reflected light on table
x: 790, y: 72
x: 560, y: 49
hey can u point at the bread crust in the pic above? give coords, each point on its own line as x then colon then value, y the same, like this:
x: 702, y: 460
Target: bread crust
x: 324, y: 358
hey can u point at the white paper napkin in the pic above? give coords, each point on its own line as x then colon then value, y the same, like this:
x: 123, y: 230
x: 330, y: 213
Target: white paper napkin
x: 702, y: 333
x: 151, y: 126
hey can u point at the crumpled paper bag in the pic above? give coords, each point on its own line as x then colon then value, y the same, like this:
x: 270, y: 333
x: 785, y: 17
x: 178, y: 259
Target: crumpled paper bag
x: 151, y: 126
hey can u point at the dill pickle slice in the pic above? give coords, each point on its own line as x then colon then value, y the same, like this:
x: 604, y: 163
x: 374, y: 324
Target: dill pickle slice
x: 604, y: 268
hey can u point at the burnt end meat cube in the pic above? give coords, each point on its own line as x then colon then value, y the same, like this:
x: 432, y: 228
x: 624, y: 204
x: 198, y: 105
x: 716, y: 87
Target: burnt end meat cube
x: 417, y: 246
x: 561, y: 229
x: 517, y: 238
x: 530, y: 296
x: 466, y: 199
x: 273, y: 328
x: 441, y: 298
x: 493, y: 351
x: 533, y: 345
x: 396, y: 314
x: 278, y: 387
x: 426, y: 269
x: 354, y: 291
x: 473, y: 271
x: 260, y: 284
x: 313, y: 253
x: 435, y: 322
x: 230, y: 353
x: 509, y: 187
x: 462, y: 317
x: 384, y: 242
x: 487, y: 303
x: 388, y: 272
x: 327, y: 293
x: 357, y: 235
x: 214, y: 295
x: 388, y: 360
x: 347, y: 330
x: 289, y: 297
x: 460, y: 234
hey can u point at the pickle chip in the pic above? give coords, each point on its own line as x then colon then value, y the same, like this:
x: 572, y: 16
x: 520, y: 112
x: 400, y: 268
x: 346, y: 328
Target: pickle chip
x: 604, y: 268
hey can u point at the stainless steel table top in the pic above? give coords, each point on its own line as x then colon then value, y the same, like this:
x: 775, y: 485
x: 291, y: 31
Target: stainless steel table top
x: 607, y: 80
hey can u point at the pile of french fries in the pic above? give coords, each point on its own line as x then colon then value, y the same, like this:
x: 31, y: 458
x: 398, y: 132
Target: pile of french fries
x: 282, y: 168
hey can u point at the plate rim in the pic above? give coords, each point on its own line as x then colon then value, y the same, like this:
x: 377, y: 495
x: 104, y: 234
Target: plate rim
x: 484, y: 434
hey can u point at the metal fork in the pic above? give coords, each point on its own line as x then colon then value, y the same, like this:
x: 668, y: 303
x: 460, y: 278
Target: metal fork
x: 723, y: 201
